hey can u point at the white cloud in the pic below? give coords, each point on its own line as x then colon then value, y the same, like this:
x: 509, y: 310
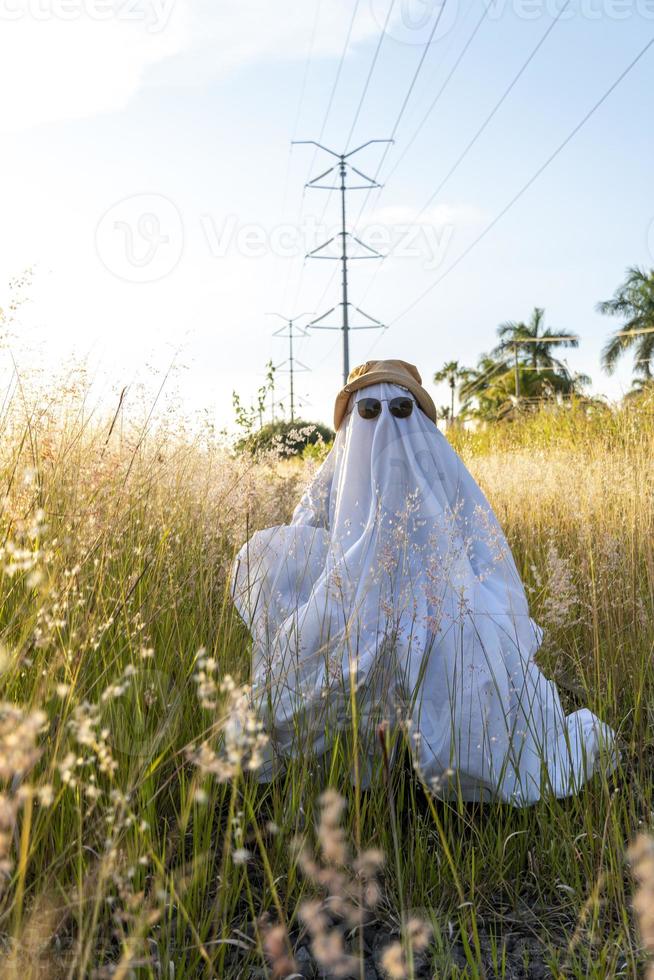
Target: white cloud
x: 69, y: 59
x: 226, y: 34
x: 77, y: 58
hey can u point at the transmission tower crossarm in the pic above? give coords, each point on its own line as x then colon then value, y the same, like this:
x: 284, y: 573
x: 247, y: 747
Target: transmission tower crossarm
x: 313, y: 181
x: 300, y: 332
x: 318, y: 325
x: 375, y: 254
x: 373, y: 325
x: 373, y: 319
x: 351, y: 153
x: 315, y: 143
x: 372, y: 182
x: 312, y: 254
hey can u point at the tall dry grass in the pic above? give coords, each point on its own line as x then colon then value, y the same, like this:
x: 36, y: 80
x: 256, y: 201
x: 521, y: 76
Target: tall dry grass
x: 134, y: 837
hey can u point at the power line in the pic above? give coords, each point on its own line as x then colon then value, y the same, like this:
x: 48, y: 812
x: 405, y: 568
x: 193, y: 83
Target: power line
x: 494, y: 110
x: 525, y: 187
x: 484, y: 124
x: 338, y: 74
x: 408, y: 96
x: 412, y: 83
x: 398, y: 119
x: 515, y: 343
x: 366, y: 86
x: 322, y: 130
x: 360, y: 105
x: 438, y: 95
x: 305, y: 75
x: 484, y: 377
x: 342, y: 167
x: 370, y: 74
x: 333, y: 88
x: 478, y: 384
x: 300, y: 103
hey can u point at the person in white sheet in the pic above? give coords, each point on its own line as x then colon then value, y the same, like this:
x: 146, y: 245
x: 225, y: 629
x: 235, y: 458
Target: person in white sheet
x: 393, y: 595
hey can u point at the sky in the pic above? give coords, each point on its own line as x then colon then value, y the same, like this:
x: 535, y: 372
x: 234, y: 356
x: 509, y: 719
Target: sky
x: 149, y: 181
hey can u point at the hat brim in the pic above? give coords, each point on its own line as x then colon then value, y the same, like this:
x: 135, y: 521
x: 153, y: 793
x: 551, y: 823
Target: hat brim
x: 378, y: 377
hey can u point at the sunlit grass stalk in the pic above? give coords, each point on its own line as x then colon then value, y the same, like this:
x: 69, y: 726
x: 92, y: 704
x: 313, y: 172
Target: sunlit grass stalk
x: 222, y: 928
x: 141, y: 529
x: 383, y: 734
x: 25, y: 832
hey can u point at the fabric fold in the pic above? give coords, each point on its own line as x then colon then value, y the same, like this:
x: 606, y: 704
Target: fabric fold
x: 394, y: 584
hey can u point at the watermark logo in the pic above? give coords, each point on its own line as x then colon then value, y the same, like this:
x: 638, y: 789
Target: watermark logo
x: 565, y: 10
x: 141, y: 238
x: 393, y: 467
x: 412, y: 21
x: 650, y: 239
x: 427, y: 242
x: 154, y: 15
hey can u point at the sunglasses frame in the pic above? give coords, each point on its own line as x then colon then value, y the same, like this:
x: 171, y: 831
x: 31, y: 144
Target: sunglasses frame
x: 390, y: 401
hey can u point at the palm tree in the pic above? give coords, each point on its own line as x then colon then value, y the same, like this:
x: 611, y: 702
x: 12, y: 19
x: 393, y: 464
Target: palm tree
x: 531, y: 344
x: 633, y: 302
x: 479, y: 387
x: 491, y: 391
x: 451, y: 372
x: 478, y: 379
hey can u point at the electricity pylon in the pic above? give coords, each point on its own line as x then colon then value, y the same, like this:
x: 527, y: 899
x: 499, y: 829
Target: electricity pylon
x: 293, y: 332
x: 344, y: 234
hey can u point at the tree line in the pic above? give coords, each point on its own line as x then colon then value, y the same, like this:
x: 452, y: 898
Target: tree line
x: 525, y: 367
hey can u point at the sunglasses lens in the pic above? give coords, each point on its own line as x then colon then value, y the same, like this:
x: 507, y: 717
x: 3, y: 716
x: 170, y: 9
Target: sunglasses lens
x: 401, y: 408
x: 369, y: 408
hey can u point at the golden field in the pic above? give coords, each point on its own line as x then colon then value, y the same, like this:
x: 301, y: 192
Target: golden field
x: 135, y: 840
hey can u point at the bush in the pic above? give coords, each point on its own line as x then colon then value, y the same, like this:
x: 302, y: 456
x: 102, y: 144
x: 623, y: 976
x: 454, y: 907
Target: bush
x: 287, y: 438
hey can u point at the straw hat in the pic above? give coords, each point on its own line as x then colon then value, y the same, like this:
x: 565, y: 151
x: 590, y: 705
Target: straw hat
x: 393, y: 372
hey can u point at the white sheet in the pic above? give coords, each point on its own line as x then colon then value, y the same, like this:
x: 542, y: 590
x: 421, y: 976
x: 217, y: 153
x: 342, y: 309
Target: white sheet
x: 394, y: 580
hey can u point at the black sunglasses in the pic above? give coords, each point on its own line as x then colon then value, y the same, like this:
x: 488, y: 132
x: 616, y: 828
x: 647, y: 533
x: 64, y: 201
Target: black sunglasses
x: 400, y: 407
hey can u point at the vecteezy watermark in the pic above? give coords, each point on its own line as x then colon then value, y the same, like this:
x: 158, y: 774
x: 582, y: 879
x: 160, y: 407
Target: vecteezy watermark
x: 153, y: 14
x: 562, y: 10
x: 650, y: 239
x: 428, y: 242
x: 414, y: 20
x: 141, y: 238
